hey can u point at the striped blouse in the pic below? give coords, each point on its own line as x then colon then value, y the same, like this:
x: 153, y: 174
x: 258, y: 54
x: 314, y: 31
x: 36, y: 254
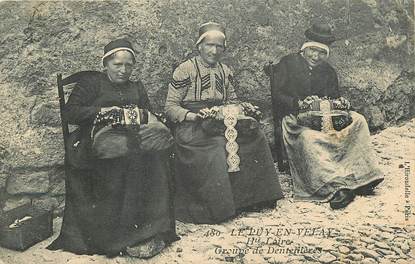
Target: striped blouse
x: 195, y: 81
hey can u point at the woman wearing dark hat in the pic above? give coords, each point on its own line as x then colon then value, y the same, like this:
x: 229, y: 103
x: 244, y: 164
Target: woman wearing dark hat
x: 327, y: 145
x: 117, y: 198
x: 219, y: 172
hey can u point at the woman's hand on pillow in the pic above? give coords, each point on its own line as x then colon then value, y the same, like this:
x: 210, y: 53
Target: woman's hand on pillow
x: 249, y: 107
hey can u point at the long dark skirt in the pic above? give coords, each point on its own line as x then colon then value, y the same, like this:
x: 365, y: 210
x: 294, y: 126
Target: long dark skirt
x: 120, y: 202
x: 205, y: 191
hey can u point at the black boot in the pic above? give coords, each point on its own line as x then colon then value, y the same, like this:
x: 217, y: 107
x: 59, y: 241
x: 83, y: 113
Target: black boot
x: 368, y: 189
x: 342, y: 198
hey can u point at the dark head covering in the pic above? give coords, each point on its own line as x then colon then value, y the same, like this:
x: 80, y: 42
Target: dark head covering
x: 320, y: 33
x: 117, y: 45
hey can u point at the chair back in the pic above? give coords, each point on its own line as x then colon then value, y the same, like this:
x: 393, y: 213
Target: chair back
x: 61, y: 82
x: 278, y: 149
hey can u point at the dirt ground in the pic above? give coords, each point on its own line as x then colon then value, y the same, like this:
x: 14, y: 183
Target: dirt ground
x: 372, y: 229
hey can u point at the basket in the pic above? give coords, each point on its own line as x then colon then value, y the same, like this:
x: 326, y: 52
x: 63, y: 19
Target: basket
x: 27, y: 233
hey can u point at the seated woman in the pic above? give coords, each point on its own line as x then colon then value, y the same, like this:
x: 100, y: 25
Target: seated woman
x: 214, y: 178
x: 328, y: 146
x: 117, y: 195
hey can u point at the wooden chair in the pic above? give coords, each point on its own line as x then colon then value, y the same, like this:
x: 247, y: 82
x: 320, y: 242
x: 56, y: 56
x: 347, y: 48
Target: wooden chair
x: 74, y: 78
x: 278, y: 149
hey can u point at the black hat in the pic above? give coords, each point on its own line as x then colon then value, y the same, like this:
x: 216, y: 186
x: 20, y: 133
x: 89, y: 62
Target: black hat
x: 320, y: 33
x: 117, y: 45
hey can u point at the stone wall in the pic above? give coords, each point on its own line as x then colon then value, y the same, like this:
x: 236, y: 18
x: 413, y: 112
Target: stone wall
x: 373, y: 56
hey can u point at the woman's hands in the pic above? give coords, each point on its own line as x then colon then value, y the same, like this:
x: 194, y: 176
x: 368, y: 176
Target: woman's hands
x: 303, y: 104
x: 249, y: 107
x: 202, y: 114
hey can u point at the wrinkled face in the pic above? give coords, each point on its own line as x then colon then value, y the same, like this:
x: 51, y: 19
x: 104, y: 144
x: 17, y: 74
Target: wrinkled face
x: 314, y: 55
x: 120, y: 66
x: 212, y: 48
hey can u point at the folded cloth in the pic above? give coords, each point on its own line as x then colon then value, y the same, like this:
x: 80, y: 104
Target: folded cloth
x: 154, y: 135
x: 112, y: 142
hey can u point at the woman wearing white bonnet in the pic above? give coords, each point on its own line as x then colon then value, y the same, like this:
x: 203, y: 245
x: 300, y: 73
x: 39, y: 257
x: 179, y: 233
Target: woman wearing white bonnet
x: 326, y: 144
x: 208, y: 189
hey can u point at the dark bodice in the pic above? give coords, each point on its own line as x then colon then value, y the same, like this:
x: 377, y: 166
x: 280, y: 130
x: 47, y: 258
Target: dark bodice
x: 294, y: 80
x: 96, y: 91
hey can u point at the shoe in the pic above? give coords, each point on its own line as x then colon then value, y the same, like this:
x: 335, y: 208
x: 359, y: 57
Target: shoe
x: 147, y: 249
x: 284, y: 167
x: 342, y: 198
x: 368, y: 189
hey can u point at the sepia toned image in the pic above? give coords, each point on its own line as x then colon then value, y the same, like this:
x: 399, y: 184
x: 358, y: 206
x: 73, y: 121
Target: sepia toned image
x: 190, y: 131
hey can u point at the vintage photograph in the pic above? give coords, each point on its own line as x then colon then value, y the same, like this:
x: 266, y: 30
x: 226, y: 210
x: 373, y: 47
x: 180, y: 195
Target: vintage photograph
x: 203, y: 131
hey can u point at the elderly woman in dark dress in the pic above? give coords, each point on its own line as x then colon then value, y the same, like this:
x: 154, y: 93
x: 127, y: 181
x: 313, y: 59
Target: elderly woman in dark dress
x: 207, y: 189
x: 118, y: 201
x: 326, y: 165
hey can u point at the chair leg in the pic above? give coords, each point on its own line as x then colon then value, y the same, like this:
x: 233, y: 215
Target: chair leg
x: 172, y: 190
x: 279, y: 148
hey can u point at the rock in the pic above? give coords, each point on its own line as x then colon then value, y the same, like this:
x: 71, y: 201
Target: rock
x: 344, y: 250
x: 37, y: 148
x: 368, y: 261
x: 396, y: 104
x: 326, y: 258
x: 375, y: 116
x: 400, y: 238
x: 403, y: 261
x: 3, y: 180
x: 79, y: 260
x: 412, y: 245
x: 147, y: 249
x: 387, y: 236
x: 15, y: 202
x: 29, y: 183
x: 355, y: 257
x: 385, y: 252
x: 398, y: 251
x: 46, y: 114
x: 336, y: 254
x: 4, y: 153
x: 45, y: 203
x: 57, y: 182
x: 395, y: 41
x: 371, y: 246
x: 369, y: 253
x: 384, y: 261
x: 382, y: 245
x: 291, y: 259
x: 367, y: 240
x: 385, y: 229
x: 377, y: 237
x: 405, y: 247
x: 344, y: 239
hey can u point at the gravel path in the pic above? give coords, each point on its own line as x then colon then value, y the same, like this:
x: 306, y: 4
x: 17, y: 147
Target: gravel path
x: 372, y: 229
